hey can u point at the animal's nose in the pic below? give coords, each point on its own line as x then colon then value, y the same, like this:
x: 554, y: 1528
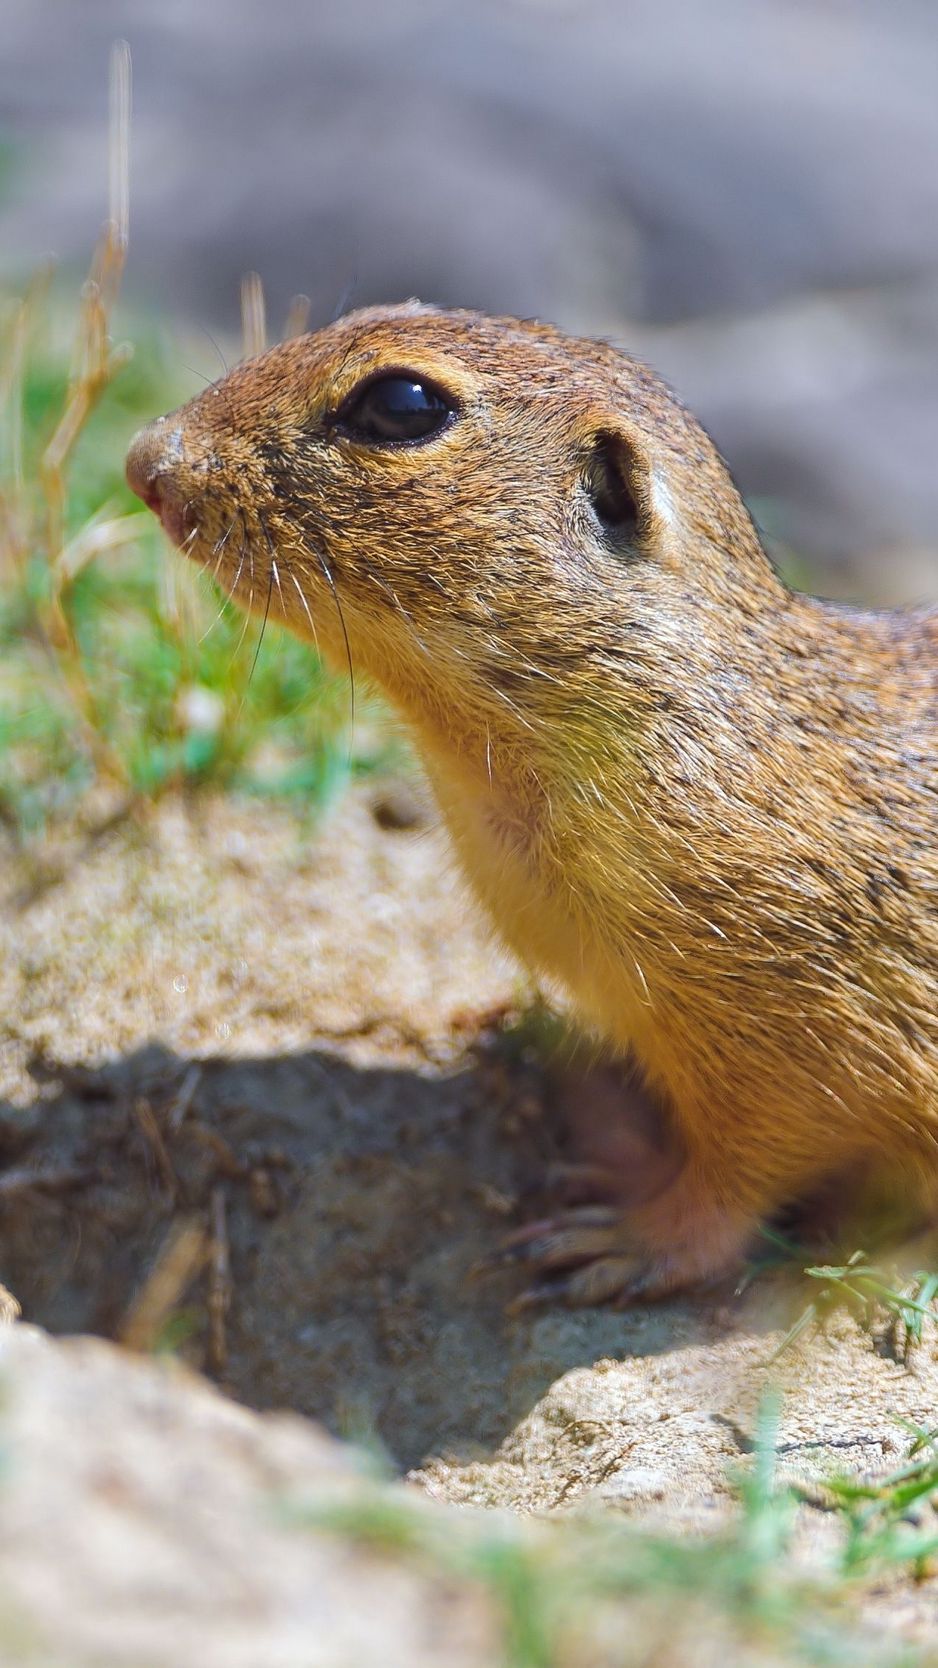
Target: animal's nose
x: 149, y: 458
x: 156, y: 470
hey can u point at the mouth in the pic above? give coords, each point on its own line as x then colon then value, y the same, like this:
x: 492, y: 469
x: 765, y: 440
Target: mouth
x: 176, y: 524
x: 172, y: 517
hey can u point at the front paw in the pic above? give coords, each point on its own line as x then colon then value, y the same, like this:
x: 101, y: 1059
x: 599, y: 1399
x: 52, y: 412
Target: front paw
x: 596, y: 1255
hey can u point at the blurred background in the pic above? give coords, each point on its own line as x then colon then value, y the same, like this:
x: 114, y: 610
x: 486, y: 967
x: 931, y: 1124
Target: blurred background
x: 743, y: 192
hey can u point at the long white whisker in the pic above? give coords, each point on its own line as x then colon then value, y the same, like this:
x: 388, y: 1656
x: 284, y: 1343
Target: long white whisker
x: 218, y: 551
x: 312, y: 624
x: 260, y: 639
x: 348, y: 647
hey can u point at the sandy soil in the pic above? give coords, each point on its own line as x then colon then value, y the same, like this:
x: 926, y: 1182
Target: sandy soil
x: 255, y: 1104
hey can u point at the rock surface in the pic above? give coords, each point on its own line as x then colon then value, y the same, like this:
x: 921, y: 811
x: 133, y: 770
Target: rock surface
x: 146, y: 1519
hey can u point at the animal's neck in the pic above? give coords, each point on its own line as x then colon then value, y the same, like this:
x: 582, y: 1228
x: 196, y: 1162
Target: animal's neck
x: 665, y: 865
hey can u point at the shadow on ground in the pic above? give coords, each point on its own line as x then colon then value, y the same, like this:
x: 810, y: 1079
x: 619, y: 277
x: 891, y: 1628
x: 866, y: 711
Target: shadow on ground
x: 341, y: 1211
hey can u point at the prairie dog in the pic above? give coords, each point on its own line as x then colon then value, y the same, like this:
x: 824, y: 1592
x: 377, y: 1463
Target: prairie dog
x: 704, y: 804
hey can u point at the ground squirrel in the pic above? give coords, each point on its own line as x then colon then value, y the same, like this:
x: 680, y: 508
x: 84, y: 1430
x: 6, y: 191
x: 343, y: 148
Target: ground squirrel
x: 705, y: 805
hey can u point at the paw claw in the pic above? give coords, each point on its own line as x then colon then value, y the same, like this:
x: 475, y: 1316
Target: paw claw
x: 617, y: 1281
x: 597, y: 1255
x: 560, y: 1242
x: 554, y: 1240
x: 540, y: 1296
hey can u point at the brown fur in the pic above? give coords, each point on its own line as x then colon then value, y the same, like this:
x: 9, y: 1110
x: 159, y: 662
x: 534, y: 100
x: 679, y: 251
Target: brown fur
x: 705, y: 805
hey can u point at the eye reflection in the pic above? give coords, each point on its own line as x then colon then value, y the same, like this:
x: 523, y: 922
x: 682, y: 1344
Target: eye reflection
x: 397, y: 408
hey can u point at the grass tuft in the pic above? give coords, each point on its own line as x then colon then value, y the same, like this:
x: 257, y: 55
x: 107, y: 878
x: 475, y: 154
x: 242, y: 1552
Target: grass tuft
x: 594, y: 1589
x: 870, y: 1292
x: 118, y: 665
x: 891, y: 1520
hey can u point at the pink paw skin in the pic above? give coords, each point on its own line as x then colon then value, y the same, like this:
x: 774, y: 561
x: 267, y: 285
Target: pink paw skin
x: 597, y: 1254
x: 637, y: 1221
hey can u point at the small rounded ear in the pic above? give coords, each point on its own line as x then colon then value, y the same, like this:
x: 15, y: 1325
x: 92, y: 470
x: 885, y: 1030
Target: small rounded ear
x: 618, y: 482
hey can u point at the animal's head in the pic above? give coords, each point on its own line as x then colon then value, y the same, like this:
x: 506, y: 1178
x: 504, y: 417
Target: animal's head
x: 475, y: 510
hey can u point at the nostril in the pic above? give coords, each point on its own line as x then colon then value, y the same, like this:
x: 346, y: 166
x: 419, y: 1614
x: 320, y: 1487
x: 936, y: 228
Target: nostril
x: 157, y: 473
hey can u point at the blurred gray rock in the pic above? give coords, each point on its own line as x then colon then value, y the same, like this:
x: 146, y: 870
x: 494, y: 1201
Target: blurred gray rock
x: 146, y: 1519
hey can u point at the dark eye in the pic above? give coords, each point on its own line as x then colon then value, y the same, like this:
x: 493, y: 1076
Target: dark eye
x: 395, y: 408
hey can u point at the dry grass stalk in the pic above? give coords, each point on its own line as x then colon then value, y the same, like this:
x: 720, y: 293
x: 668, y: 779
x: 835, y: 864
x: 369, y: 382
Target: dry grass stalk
x: 253, y: 315
x: 219, y: 1283
x: 25, y: 528
x: 297, y: 322
x: 180, y: 1258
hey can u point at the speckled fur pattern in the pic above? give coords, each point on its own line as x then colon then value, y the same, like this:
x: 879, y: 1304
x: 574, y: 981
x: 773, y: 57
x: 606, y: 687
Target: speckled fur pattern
x: 704, y: 805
